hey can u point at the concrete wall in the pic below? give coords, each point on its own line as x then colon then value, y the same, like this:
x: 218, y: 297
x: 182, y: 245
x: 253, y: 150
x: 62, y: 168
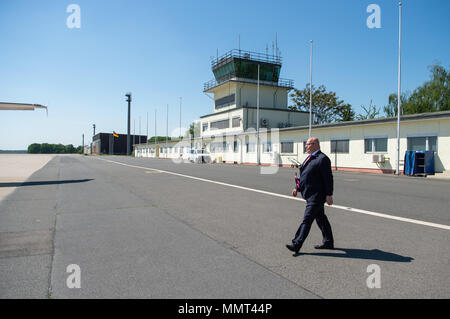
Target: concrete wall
x: 246, y: 95
x: 269, y: 97
x: 275, y: 117
x: 222, y: 91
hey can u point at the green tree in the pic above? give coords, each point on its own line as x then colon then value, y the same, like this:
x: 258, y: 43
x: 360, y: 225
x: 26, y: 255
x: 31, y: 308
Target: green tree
x: 432, y: 96
x: 34, y: 148
x: 326, y: 106
x: 390, y: 110
x: 158, y: 139
x: 194, y: 129
x: 69, y: 149
x: 58, y: 148
x: 371, y: 112
x: 46, y: 148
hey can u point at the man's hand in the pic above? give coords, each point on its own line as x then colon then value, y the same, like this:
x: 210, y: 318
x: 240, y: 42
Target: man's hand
x: 329, y: 200
x: 294, y: 192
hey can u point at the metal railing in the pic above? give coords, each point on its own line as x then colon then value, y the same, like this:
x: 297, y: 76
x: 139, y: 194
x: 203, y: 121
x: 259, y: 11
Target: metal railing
x: 286, y: 83
x: 246, y: 55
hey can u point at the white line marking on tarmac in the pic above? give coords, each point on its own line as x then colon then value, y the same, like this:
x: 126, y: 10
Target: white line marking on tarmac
x: 350, y: 209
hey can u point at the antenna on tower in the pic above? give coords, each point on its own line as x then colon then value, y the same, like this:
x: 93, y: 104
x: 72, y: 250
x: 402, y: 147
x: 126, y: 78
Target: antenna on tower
x: 277, y: 52
x: 239, y: 44
x: 276, y: 45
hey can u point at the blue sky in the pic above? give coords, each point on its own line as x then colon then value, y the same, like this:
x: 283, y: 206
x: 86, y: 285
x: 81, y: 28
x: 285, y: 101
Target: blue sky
x: 161, y: 51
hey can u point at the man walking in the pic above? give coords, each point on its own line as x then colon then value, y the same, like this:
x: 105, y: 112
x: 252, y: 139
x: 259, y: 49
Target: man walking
x: 316, y: 187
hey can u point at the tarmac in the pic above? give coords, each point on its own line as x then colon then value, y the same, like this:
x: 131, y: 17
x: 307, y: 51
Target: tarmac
x: 143, y: 228
x: 17, y: 168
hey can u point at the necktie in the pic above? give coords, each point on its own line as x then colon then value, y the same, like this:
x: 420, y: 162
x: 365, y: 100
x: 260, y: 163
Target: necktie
x: 306, y: 160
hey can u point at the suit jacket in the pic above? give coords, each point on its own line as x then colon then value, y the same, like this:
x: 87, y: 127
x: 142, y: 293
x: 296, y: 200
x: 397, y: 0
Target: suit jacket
x: 316, y: 179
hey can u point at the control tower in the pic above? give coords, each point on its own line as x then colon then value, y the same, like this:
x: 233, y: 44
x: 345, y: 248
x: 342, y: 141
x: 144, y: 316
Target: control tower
x: 235, y: 94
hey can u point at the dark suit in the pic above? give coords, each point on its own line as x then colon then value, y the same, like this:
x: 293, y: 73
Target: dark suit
x: 316, y: 182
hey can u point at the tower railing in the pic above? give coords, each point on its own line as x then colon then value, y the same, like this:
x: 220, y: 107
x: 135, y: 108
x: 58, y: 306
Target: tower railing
x: 245, y: 55
x: 285, y: 83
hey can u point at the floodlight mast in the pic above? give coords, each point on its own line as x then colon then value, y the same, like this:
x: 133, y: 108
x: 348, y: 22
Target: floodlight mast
x: 399, y: 99
x: 128, y: 95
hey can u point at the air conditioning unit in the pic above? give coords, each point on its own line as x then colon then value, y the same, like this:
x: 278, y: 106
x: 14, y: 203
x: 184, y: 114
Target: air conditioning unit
x: 377, y: 158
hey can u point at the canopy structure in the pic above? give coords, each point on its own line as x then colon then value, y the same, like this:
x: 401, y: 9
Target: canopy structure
x: 21, y: 106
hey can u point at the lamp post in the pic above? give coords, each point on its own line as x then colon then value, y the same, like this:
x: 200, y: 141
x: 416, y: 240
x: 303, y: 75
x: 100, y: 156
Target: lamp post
x: 399, y: 100
x: 180, y: 119
x: 310, y: 92
x: 257, y: 123
x: 128, y: 95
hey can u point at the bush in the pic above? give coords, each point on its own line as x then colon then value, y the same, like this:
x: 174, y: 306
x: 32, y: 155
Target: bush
x: 46, y: 148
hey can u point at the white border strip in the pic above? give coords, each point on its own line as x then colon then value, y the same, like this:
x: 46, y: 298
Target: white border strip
x: 350, y: 209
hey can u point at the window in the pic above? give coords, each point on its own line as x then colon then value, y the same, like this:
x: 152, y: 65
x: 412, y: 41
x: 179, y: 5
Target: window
x: 246, y: 68
x: 224, y: 146
x: 267, y: 147
x: 236, y: 122
x: 375, y: 144
x: 340, y: 146
x: 218, y: 125
x: 287, y: 147
x: 235, y: 146
x: 251, y: 147
x: 216, y: 147
x: 422, y: 143
x: 204, y: 127
x: 225, y: 101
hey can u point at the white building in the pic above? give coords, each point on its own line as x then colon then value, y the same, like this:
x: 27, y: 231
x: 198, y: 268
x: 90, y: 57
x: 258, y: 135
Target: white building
x: 230, y: 132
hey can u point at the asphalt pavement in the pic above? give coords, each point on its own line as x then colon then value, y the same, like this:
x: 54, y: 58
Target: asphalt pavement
x: 148, y: 228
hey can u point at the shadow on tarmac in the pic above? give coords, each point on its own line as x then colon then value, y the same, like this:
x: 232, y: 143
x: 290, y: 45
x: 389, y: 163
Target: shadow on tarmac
x: 373, y: 254
x: 44, y: 183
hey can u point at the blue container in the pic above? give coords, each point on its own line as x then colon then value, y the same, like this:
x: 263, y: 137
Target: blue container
x: 419, y: 162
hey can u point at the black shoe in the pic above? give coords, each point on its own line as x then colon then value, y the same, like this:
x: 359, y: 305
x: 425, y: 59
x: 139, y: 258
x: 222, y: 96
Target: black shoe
x: 293, y: 248
x: 324, y: 246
